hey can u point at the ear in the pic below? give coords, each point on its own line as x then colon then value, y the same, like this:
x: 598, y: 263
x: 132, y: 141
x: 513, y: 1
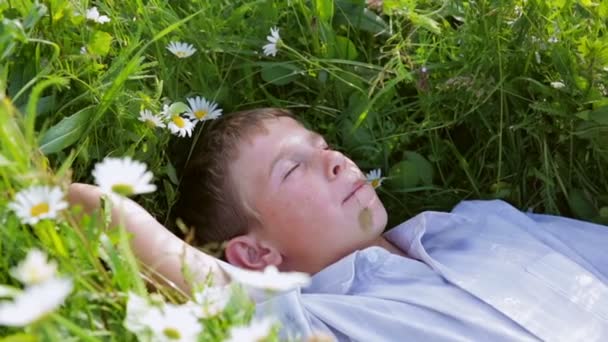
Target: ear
x: 246, y: 251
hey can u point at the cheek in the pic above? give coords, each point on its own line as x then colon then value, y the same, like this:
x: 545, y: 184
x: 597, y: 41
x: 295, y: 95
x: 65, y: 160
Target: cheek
x: 284, y: 210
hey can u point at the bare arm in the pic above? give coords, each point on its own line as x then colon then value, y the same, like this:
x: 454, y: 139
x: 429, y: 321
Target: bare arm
x: 152, y: 243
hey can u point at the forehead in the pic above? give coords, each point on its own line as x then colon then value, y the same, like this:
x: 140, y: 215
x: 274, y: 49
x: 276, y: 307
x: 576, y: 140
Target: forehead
x: 269, y: 139
x: 257, y: 151
x: 261, y: 149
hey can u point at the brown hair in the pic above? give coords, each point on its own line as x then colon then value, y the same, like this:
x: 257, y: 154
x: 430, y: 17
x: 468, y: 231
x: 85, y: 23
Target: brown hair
x: 209, y: 201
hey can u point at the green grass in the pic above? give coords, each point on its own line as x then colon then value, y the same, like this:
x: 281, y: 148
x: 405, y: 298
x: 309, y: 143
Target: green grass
x: 453, y: 100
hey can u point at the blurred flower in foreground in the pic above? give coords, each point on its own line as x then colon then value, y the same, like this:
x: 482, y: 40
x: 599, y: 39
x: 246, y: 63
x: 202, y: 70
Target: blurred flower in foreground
x: 150, y: 119
x: 558, y: 85
x: 181, y: 50
x: 37, y: 203
x: 137, y: 307
x: 181, y: 126
x: 173, y: 323
x: 35, y: 268
x: 211, y: 301
x: 160, y: 321
x: 374, y: 177
x: 201, y: 109
x: 255, y: 331
x: 93, y: 15
x: 123, y: 176
x: 166, y: 112
x: 270, y: 49
x: 35, y: 302
x: 271, y: 279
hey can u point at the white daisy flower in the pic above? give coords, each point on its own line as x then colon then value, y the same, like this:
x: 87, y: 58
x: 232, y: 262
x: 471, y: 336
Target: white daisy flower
x: 172, y: 323
x: 210, y: 301
x: 93, y: 15
x: 38, y: 202
x: 181, y: 126
x: 270, y: 49
x: 123, y: 176
x: 255, y: 331
x: 374, y: 177
x: 137, y: 308
x: 35, y: 268
x: 83, y: 50
x: 271, y: 279
x: 166, y: 112
x: 181, y: 50
x: 201, y: 109
x: 558, y: 85
x: 35, y: 302
x: 150, y: 119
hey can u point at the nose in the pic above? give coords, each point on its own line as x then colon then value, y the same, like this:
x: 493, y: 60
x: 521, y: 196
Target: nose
x: 335, y: 163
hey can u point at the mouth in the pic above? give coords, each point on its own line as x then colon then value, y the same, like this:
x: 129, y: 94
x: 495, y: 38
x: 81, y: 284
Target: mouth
x: 356, y: 187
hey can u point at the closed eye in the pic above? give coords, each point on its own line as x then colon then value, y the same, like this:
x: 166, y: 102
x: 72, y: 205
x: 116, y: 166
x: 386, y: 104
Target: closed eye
x: 291, y: 170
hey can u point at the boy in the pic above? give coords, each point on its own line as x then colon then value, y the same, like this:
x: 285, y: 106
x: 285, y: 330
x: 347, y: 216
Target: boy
x: 278, y: 195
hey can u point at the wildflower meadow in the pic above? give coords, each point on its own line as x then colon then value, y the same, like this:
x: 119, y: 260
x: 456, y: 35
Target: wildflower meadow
x: 439, y: 101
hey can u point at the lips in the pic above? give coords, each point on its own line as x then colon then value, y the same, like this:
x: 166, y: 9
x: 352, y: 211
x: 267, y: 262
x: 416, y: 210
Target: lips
x: 356, y: 186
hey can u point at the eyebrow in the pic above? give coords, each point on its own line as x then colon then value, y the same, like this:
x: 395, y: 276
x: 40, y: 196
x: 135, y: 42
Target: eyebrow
x: 311, y: 137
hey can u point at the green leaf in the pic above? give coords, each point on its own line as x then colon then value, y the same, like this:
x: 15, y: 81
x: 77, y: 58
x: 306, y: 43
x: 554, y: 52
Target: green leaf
x: 279, y: 73
x: 66, y: 132
x: 19, y: 337
x: 359, y: 17
x: 345, y: 48
x: 324, y: 9
x: 391, y: 7
x: 580, y: 205
x: 425, y: 22
x: 45, y: 105
x: 403, y: 175
x: 426, y: 171
x: 412, y: 171
x: 602, y: 9
x: 171, y: 173
x: 100, y: 43
x: 177, y: 108
x: 598, y: 115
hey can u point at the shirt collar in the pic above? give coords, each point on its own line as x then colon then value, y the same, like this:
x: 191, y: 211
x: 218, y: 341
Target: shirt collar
x: 408, y: 235
x: 338, y: 277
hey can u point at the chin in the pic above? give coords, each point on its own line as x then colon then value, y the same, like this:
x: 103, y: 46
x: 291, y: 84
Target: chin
x: 380, y: 216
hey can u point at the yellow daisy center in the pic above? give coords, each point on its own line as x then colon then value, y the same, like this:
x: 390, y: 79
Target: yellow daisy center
x: 39, y: 209
x: 172, y: 334
x: 178, y: 121
x: 200, y: 114
x: 180, y: 54
x: 375, y: 183
x: 123, y: 189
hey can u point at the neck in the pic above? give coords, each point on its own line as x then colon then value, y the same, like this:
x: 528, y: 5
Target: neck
x: 389, y: 246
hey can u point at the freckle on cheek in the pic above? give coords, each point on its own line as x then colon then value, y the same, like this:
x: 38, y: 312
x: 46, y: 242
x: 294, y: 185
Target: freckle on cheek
x: 365, y: 219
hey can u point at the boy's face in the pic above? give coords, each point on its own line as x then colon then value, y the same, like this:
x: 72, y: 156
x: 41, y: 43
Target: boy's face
x: 313, y: 202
